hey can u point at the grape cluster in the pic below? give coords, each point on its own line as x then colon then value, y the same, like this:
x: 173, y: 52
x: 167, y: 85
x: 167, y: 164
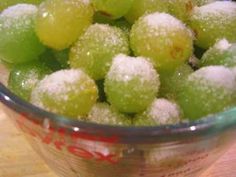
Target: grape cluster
x: 122, y: 62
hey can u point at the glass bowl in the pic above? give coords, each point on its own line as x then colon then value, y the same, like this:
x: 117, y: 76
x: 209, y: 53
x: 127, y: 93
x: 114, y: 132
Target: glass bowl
x: 81, y: 149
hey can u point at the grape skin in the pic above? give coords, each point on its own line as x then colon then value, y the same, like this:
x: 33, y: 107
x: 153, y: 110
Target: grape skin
x: 59, y: 23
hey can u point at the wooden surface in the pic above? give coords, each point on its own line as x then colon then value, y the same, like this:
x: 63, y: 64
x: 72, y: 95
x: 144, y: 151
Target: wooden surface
x: 17, y: 159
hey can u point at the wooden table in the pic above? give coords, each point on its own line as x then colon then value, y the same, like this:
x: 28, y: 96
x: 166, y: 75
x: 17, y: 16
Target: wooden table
x: 17, y: 159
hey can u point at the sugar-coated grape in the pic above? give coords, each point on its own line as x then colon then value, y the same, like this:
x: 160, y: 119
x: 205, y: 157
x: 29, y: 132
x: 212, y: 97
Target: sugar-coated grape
x: 59, y: 23
x: 160, y: 112
x: 162, y: 38
x: 95, y: 49
x: 214, y: 21
x: 113, y: 8
x: 6, y: 3
x: 19, y: 42
x: 207, y: 91
x: 24, y: 77
x: 103, y: 113
x: 131, y: 83
x: 70, y: 93
x: 171, y: 83
x: 222, y: 53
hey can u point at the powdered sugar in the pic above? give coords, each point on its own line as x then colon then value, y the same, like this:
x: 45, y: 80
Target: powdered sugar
x: 125, y: 68
x: 19, y: 10
x: 217, y: 8
x: 217, y: 76
x: 24, y: 12
x: 164, y: 112
x: 222, y: 45
x: 157, y: 20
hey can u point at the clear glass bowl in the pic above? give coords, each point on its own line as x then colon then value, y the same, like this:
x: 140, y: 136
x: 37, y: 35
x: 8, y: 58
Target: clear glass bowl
x: 80, y: 149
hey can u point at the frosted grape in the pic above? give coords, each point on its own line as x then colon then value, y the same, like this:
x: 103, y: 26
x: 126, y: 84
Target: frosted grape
x: 222, y: 53
x: 113, y: 9
x: 160, y: 112
x: 207, y: 91
x: 214, y: 21
x: 59, y: 23
x: 23, y: 78
x: 71, y: 93
x: 95, y: 49
x: 19, y: 42
x: 131, y: 84
x: 102, y: 113
x: 162, y: 38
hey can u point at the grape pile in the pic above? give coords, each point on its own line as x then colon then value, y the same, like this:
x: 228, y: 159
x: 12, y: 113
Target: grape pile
x: 122, y: 62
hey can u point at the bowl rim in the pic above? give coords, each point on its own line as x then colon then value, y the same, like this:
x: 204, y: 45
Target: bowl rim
x: 209, y: 125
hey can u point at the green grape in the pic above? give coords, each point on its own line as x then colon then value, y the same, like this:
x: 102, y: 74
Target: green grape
x: 71, y: 93
x: 207, y: 91
x: 160, y: 112
x: 95, y: 49
x: 62, y: 57
x: 141, y: 7
x: 162, y: 38
x: 19, y: 42
x: 222, y: 53
x: 214, y: 21
x: 24, y: 77
x: 6, y: 3
x: 171, y: 83
x: 113, y: 9
x: 131, y: 83
x: 203, y: 2
x: 59, y: 23
x: 102, y: 113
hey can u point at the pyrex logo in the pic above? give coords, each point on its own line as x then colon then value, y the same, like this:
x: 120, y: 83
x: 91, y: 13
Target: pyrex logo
x: 60, y: 142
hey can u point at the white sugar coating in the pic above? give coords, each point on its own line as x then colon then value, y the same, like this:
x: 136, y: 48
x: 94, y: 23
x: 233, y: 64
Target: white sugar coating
x: 217, y: 76
x: 19, y: 11
x: 22, y: 12
x: 59, y: 82
x: 112, y: 34
x: 164, y: 111
x: 125, y: 68
x: 103, y: 113
x: 158, y: 20
x: 222, y: 45
x: 217, y: 8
